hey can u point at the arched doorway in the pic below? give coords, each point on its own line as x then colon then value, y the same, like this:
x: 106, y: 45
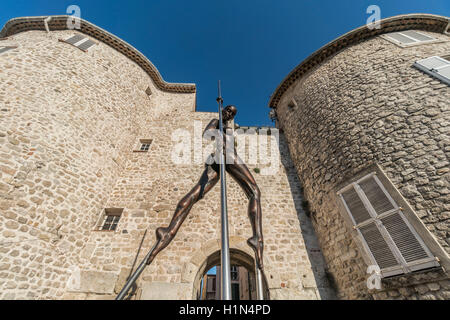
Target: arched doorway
x: 243, y: 282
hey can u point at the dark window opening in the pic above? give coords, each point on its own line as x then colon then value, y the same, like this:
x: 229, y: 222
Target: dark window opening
x: 234, y: 273
x: 235, y: 291
x: 144, y: 145
x: 110, y: 219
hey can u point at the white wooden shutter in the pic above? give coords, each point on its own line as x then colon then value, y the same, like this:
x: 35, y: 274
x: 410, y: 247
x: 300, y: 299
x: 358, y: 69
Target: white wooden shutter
x: 378, y: 246
x: 416, y: 35
x: 355, y: 206
x: 75, y: 39
x: 397, y: 36
x: 389, y: 239
x: 409, y: 37
x: 80, y: 42
x: 377, y: 198
x: 403, y: 238
x: 437, y: 67
x: 86, y: 44
x: 4, y: 49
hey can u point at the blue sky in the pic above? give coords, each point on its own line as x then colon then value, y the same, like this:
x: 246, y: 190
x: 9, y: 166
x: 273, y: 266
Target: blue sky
x: 212, y: 271
x: 249, y: 45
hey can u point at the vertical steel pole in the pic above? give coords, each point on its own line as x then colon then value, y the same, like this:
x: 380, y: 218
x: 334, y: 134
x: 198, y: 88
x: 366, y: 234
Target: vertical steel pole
x: 259, y: 284
x: 225, y: 250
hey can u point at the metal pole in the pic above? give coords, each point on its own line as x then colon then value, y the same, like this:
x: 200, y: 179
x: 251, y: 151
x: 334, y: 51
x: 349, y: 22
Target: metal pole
x: 137, y: 255
x: 135, y: 275
x: 225, y: 250
x: 259, y: 284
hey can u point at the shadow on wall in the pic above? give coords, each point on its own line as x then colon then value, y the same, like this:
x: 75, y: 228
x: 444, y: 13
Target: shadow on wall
x: 325, y: 284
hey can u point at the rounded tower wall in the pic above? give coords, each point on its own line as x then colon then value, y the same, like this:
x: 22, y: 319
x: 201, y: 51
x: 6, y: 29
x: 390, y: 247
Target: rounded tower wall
x: 362, y: 106
x: 68, y: 120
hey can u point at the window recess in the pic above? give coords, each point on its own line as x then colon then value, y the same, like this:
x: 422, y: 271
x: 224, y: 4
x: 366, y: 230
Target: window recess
x: 4, y: 49
x: 110, y: 219
x: 144, y: 145
x: 408, y: 37
x: 437, y: 67
x: 80, y: 41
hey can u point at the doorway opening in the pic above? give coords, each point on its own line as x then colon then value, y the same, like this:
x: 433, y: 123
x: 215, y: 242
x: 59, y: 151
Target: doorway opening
x: 207, y: 285
x: 243, y: 284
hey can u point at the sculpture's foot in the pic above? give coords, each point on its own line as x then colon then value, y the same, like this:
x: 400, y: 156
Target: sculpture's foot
x: 257, y: 244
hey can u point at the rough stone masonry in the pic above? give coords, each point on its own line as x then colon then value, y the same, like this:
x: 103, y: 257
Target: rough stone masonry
x: 359, y: 102
x: 71, y: 122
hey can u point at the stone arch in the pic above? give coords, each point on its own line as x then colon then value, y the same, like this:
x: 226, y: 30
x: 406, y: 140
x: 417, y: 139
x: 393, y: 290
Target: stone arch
x: 209, y: 255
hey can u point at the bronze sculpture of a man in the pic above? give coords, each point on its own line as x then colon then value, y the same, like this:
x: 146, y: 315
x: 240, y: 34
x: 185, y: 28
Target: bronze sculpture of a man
x: 211, y: 175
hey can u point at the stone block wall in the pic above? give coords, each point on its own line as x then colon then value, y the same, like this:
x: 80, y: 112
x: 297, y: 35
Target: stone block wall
x: 149, y: 189
x: 70, y: 123
x: 364, y: 105
x: 68, y: 119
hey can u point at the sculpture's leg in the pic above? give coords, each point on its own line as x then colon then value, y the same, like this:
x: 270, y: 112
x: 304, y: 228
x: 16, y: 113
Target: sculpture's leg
x: 244, y: 178
x: 165, y: 235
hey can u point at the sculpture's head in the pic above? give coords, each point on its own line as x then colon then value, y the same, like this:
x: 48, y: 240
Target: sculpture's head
x: 229, y: 112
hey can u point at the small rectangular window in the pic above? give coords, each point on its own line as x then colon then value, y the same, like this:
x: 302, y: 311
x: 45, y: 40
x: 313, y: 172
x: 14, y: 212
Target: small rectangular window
x: 144, y: 145
x: 110, y: 219
x: 4, y: 49
x: 292, y: 104
x: 75, y: 39
x: 86, y: 45
x: 408, y: 37
x: 437, y: 67
x: 417, y: 36
x: 80, y: 41
x: 390, y: 240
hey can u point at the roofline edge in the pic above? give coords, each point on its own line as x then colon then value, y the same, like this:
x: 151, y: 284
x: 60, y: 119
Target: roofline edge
x: 59, y: 22
x: 420, y: 21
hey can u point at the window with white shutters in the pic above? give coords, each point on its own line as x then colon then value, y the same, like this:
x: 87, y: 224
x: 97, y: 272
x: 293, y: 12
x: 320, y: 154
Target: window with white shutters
x: 4, y: 49
x: 388, y: 237
x: 408, y: 37
x: 80, y: 41
x: 435, y: 66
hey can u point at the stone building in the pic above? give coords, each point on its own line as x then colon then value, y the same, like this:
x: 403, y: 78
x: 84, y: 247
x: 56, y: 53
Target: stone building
x: 88, y: 130
x: 367, y: 121
x: 86, y: 169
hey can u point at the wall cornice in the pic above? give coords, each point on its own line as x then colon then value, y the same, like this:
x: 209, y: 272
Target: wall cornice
x: 426, y: 22
x: 23, y: 24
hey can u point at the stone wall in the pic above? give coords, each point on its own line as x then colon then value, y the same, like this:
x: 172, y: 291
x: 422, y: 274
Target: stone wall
x: 70, y: 121
x: 366, y: 105
x: 149, y: 189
